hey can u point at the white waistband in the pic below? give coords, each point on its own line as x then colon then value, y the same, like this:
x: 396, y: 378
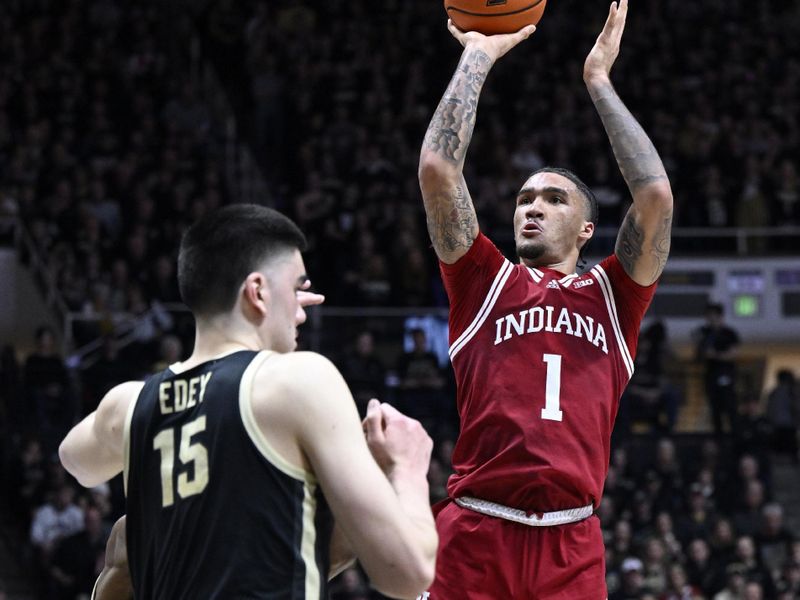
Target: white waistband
x: 548, y: 519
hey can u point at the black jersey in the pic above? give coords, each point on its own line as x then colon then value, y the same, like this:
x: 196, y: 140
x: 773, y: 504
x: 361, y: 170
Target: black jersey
x: 213, y: 511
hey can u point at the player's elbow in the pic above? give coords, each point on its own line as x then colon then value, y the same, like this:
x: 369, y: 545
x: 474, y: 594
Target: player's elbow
x: 434, y: 171
x: 411, y: 586
x: 70, y: 462
x: 656, y: 197
x: 67, y: 460
x: 411, y: 579
x: 426, y: 572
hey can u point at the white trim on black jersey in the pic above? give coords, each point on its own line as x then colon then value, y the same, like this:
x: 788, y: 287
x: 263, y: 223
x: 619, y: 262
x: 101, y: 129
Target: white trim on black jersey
x: 126, y: 442
x: 608, y: 293
x: 254, y: 431
x: 308, y: 538
x: 491, y: 298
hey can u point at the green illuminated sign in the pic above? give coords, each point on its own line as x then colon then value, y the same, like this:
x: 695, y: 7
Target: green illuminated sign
x: 746, y: 306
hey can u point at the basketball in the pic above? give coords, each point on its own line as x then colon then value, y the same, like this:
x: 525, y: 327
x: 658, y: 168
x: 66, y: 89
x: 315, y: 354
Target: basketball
x: 494, y: 16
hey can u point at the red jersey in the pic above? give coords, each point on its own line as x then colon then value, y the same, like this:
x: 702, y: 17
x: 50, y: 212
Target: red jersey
x: 541, y: 360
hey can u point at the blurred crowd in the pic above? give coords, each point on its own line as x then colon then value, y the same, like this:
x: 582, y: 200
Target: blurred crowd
x: 108, y: 150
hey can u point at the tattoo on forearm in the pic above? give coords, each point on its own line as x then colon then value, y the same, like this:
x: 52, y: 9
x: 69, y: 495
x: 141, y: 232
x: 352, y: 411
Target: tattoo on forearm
x: 629, y: 243
x: 637, y: 157
x: 452, y: 222
x: 450, y: 130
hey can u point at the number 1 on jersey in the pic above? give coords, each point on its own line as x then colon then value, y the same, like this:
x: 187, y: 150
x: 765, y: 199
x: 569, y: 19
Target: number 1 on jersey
x: 552, y: 388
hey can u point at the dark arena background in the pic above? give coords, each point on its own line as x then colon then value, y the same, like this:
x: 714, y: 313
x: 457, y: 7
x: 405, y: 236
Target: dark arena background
x: 122, y: 122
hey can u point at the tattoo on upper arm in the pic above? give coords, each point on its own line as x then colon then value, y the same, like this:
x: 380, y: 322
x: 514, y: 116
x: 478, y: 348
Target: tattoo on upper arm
x: 661, y: 244
x: 452, y: 222
x: 629, y: 243
x: 450, y: 129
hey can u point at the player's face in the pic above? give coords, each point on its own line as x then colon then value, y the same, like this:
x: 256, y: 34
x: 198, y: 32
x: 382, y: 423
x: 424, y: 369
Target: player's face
x: 286, y: 276
x: 549, y: 220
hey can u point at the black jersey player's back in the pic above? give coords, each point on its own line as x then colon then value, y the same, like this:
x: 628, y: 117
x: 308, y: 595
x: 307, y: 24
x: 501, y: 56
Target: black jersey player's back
x: 219, y: 452
x: 213, y: 511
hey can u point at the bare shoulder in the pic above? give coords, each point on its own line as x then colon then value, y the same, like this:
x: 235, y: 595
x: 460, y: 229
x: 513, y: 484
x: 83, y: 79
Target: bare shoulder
x: 297, y: 381
x: 114, y: 405
x: 298, y: 400
x: 297, y: 371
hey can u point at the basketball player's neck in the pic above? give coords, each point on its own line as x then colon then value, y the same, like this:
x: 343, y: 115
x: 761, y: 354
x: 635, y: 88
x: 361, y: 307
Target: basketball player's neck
x: 568, y: 266
x: 220, y: 336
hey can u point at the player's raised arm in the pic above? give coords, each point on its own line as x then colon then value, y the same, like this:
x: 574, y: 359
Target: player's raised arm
x: 644, y: 238
x: 93, y: 451
x: 452, y: 222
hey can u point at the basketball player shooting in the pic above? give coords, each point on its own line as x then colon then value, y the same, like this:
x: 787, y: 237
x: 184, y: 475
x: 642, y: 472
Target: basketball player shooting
x: 541, y: 354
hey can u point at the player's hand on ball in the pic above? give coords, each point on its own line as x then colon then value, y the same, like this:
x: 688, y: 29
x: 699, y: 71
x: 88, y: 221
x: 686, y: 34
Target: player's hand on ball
x: 397, y: 442
x: 606, y: 48
x: 493, y: 45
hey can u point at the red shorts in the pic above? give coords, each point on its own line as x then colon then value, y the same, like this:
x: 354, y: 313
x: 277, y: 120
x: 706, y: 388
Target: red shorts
x: 488, y: 558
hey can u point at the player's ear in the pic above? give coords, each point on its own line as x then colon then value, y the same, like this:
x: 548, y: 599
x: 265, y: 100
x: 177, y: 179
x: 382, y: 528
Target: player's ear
x: 586, y: 232
x: 256, y: 293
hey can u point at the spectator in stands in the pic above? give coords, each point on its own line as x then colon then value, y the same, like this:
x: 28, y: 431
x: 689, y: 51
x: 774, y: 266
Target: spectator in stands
x: 48, y: 388
x: 723, y: 541
x: 703, y: 570
x: 170, y: 351
x: 699, y: 516
x: 655, y: 565
x: 650, y: 396
x: 747, y: 556
x: 621, y: 543
x: 55, y: 520
x: 670, y: 473
x: 108, y: 370
x: 747, y: 519
x: 363, y: 370
x: 26, y: 480
x: 789, y: 582
x: 783, y: 412
x: 734, y: 588
x: 715, y: 344
x: 752, y: 432
x: 678, y: 586
x: 773, y: 538
x: 78, y: 558
x: 665, y: 533
x: 632, y: 586
x: 421, y: 380
x: 753, y: 590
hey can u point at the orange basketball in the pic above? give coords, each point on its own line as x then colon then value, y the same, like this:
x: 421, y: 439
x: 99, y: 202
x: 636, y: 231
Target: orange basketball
x: 494, y: 16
